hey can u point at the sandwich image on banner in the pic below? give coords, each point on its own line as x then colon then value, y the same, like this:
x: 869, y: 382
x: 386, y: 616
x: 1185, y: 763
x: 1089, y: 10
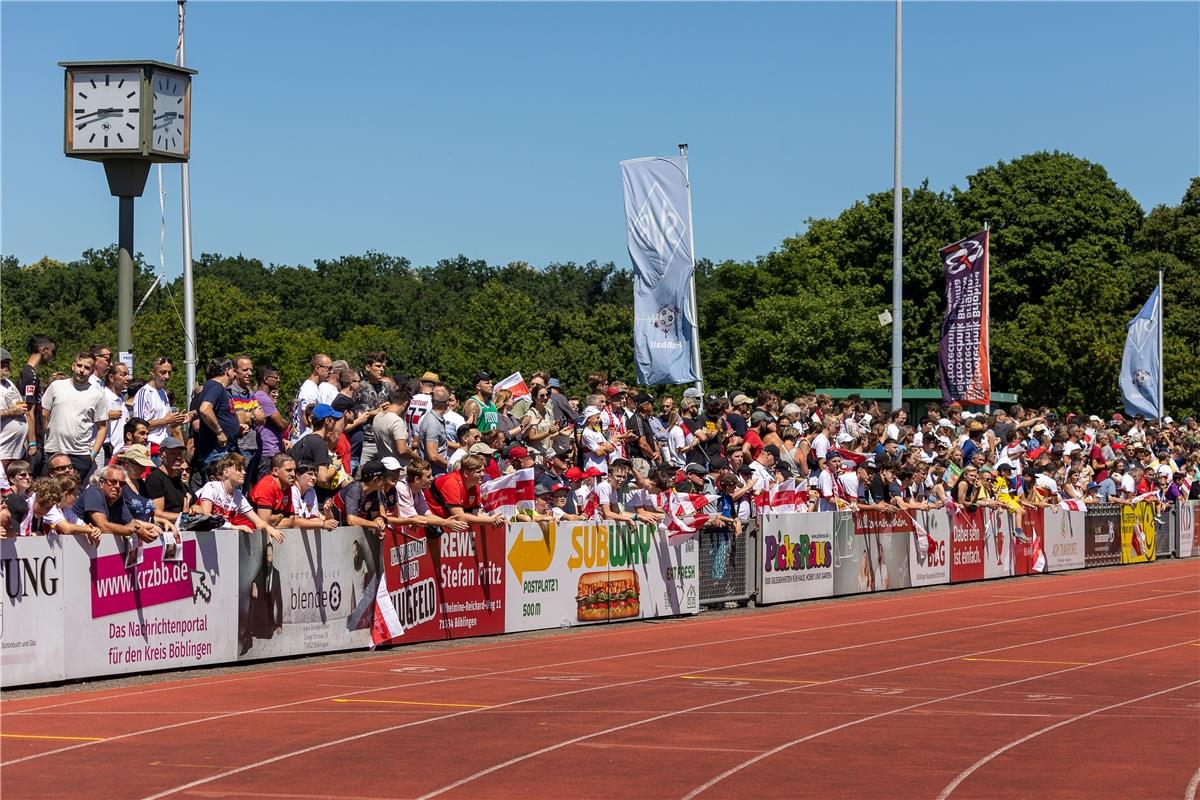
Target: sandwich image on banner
x: 608, y: 595
x: 658, y: 228
x: 1140, y: 368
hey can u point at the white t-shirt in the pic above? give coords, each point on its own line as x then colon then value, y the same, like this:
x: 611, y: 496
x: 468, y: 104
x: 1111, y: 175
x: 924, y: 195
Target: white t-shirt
x: 592, y: 439
x: 453, y: 421
x: 59, y: 514
x: 308, y: 396
x: 228, y: 505
x: 765, y: 478
x: 149, y: 403
x: 74, y: 414
x: 306, y: 506
x: 1128, y: 484
x: 820, y: 444
x: 849, y: 481
x: 1070, y: 447
x: 116, y: 427
x: 676, y: 441
x: 893, y: 431
x: 582, y: 495
x: 604, y: 492
x: 13, y: 430
x: 455, y: 457
x: 417, y: 407
x: 1044, y: 481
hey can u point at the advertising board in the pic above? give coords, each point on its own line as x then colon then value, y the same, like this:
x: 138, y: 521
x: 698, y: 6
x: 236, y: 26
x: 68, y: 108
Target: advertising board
x: 797, y: 557
x: 32, y: 627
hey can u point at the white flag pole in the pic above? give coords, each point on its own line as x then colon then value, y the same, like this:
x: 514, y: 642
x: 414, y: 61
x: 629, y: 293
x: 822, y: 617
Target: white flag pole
x: 1162, y: 368
x: 189, y: 297
x: 898, y: 237
x: 683, y: 149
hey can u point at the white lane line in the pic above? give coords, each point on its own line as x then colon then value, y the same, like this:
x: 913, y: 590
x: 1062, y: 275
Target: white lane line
x: 966, y: 773
x: 609, y: 658
x: 356, y: 737
x: 668, y: 715
x: 1190, y: 792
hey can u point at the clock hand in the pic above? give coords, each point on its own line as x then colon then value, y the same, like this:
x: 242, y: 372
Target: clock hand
x: 99, y: 111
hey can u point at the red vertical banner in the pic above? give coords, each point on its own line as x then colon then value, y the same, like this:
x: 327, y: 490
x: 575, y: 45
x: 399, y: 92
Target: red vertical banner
x: 963, y: 348
x: 450, y: 587
x: 1025, y: 553
x: 966, y: 546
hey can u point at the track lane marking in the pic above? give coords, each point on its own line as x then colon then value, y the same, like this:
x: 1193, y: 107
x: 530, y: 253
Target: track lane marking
x: 731, y: 678
x: 44, y: 736
x: 966, y: 773
x: 1026, y: 661
x: 409, y: 703
x: 596, y: 659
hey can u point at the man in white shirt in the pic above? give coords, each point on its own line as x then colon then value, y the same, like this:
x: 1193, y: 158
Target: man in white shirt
x: 114, y: 398
x: 103, y: 359
x: 763, y: 466
x: 313, y: 391
x: 821, y: 443
x: 74, y: 414
x: 828, y: 487
x: 151, y: 402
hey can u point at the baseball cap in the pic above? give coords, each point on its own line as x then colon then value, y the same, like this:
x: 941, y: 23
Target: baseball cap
x: 644, y: 398
x: 5, y: 355
x: 429, y: 377
x: 558, y: 487
x: 480, y: 449
x: 573, y: 474
x: 1094, y: 418
x: 518, y: 452
x: 482, y: 375
x: 696, y: 469
x: 541, y: 490
x: 773, y: 450
x: 325, y: 411
x: 1166, y: 420
x: 390, y: 463
x: 592, y: 472
x: 553, y: 383
x: 613, y: 391
x: 742, y: 400
x: 1118, y: 418
x: 692, y: 391
x: 590, y: 412
x: 372, y: 469
x: 171, y: 443
x: 1004, y: 466
x: 759, y: 416
x: 1093, y: 485
x: 1037, y: 453
x: 138, y: 454
x: 844, y: 438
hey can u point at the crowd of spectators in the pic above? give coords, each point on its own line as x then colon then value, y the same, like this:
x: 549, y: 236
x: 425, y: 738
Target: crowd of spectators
x: 99, y: 451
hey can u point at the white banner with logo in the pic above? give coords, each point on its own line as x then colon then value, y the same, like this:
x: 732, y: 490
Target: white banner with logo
x: 32, y: 630
x: 131, y: 611
x: 312, y: 593
x: 797, y: 557
x: 578, y: 573
x: 1064, y: 547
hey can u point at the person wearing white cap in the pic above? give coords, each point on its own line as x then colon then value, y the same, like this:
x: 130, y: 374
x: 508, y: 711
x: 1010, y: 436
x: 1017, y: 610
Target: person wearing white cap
x: 596, y: 448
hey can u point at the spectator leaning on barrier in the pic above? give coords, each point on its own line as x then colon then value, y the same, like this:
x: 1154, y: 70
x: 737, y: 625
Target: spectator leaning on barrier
x: 272, y: 494
x: 411, y: 505
x: 103, y: 505
x: 75, y: 414
x: 163, y: 485
x: 223, y: 495
x: 455, y: 495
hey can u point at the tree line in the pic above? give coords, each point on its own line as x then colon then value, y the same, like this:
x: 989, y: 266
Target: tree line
x: 1073, y: 257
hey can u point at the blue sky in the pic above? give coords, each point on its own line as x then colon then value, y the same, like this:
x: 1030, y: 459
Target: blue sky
x: 494, y: 130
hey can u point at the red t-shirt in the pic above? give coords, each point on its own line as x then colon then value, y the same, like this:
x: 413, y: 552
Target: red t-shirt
x: 343, y: 451
x: 1097, y: 454
x: 449, y: 490
x: 267, y: 493
x: 756, y: 443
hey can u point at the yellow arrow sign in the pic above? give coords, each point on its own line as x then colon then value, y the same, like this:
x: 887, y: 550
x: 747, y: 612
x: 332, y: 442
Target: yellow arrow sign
x: 532, y: 555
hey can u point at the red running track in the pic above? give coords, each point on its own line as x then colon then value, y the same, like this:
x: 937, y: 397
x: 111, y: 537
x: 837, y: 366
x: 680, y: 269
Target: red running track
x: 1078, y: 685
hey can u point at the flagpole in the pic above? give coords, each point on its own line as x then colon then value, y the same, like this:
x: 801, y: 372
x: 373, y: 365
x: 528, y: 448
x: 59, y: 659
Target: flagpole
x: 898, y: 239
x: 1162, y: 368
x: 189, y: 297
x: 683, y: 150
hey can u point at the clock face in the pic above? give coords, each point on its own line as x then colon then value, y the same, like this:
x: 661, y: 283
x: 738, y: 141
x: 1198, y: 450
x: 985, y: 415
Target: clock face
x: 172, y: 102
x: 105, y: 110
